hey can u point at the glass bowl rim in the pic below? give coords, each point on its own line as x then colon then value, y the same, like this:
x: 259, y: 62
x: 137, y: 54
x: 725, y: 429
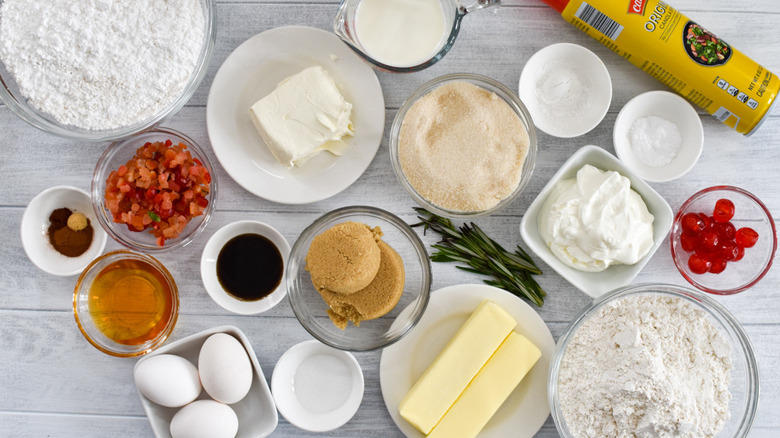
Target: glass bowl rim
x: 676, y: 224
x: 122, y: 254
x: 488, y: 84
x: 23, y: 111
x: 726, y: 322
x: 298, y: 253
x: 101, y: 172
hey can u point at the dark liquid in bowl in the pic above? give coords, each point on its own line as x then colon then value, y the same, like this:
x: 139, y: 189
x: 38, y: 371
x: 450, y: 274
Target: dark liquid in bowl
x: 249, y: 267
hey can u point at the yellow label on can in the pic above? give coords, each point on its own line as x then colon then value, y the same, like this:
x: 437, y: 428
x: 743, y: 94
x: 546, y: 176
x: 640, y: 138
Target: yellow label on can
x: 683, y: 55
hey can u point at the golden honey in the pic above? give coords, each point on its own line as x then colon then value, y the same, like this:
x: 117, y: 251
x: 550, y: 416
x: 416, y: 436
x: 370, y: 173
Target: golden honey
x: 130, y: 302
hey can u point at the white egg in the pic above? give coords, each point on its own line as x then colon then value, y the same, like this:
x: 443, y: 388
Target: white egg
x: 167, y: 380
x: 225, y: 369
x: 204, y: 419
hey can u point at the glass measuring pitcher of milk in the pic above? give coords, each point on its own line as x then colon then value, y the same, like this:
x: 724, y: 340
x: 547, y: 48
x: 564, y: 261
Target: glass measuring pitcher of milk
x: 402, y: 35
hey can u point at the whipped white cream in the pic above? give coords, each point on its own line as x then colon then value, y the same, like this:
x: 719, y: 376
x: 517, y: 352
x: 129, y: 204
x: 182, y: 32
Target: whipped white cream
x: 304, y: 115
x: 596, y: 220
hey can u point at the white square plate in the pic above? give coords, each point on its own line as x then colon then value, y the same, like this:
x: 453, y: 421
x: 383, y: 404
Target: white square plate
x: 256, y: 412
x: 596, y: 284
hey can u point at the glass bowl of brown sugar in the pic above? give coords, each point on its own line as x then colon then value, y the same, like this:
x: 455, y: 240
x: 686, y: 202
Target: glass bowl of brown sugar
x: 463, y: 145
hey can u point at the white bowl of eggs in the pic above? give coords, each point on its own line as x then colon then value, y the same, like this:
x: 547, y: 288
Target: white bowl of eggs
x: 209, y: 384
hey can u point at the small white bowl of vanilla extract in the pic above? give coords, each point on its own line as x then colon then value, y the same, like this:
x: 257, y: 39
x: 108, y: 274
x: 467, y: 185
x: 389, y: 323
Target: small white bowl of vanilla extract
x: 242, y: 267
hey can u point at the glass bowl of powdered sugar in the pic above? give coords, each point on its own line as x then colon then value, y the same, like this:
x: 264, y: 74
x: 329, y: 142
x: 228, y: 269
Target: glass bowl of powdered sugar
x: 463, y: 145
x: 654, y: 360
x: 119, y: 71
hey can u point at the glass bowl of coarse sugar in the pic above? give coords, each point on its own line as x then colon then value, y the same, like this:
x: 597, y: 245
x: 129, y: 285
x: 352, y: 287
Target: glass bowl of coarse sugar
x: 654, y: 360
x: 463, y: 145
x: 122, y: 70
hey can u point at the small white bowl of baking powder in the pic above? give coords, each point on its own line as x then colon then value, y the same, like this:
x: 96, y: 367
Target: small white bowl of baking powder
x: 566, y: 88
x: 658, y: 135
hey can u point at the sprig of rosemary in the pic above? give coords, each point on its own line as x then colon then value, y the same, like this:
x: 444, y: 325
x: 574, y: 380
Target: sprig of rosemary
x: 468, y: 244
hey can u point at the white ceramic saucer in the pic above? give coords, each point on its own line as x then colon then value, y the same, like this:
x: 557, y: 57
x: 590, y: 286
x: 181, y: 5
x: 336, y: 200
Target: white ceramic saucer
x: 566, y: 88
x: 316, y: 387
x: 208, y: 267
x: 670, y: 107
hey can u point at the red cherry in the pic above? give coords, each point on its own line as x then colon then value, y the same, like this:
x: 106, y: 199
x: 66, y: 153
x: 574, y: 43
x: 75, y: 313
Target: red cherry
x: 746, y: 237
x: 717, y: 266
x: 709, y: 240
x: 698, y: 264
x: 692, y: 223
x: 740, y: 253
x: 729, y: 251
x: 707, y: 220
x: 726, y: 231
x: 688, y: 242
x: 724, y: 211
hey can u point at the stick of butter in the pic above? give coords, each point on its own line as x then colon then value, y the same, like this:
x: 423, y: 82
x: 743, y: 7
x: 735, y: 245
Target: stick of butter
x: 489, y: 389
x: 304, y: 115
x: 452, y: 370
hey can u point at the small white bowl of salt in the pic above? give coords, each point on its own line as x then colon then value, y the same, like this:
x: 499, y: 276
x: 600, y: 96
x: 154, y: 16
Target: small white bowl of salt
x: 658, y: 135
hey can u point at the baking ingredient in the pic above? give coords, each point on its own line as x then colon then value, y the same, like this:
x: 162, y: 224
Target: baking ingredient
x: 204, y: 419
x: 596, y: 220
x: 225, y: 369
x: 101, y: 64
x: 468, y: 244
x: 564, y: 93
x: 373, y: 301
x: 714, y: 240
x: 655, y: 141
x: 304, y: 115
x: 161, y: 189
x: 167, y: 380
x: 456, y: 365
x: 69, y: 233
x: 505, y: 369
x: 401, y: 33
x: 344, y: 258
x: 462, y: 147
x: 651, y: 365
x: 131, y: 302
x: 681, y: 54
x: 249, y: 267
x: 77, y: 221
x: 323, y: 383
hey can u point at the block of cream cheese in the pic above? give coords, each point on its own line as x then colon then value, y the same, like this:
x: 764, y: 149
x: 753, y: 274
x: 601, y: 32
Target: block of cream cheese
x: 456, y: 365
x: 304, y: 115
x: 489, y: 389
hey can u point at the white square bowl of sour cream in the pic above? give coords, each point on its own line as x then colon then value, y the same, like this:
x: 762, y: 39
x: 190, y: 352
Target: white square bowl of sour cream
x: 596, y: 284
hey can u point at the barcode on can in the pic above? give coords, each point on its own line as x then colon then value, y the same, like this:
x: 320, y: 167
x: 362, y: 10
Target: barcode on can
x: 599, y: 21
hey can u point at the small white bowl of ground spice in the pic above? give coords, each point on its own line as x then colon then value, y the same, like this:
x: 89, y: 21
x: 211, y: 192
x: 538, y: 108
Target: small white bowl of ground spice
x: 59, y: 231
x: 463, y: 145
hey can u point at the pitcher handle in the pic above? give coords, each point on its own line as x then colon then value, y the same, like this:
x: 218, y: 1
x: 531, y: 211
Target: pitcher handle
x: 477, y: 4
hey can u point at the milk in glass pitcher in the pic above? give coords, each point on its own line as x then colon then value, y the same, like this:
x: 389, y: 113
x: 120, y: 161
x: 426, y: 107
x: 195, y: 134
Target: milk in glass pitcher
x: 402, y: 35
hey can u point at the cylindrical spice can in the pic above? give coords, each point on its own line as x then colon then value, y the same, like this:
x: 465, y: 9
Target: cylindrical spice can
x: 681, y: 54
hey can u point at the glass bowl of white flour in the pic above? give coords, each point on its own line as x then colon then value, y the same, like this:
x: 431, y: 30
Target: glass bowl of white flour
x: 102, y: 70
x: 654, y: 360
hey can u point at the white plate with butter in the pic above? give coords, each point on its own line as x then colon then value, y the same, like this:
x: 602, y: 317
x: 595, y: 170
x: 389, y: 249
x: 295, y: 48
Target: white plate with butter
x: 526, y: 409
x: 253, y: 71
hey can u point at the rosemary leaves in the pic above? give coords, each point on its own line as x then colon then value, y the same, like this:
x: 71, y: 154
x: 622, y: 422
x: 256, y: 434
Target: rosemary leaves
x: 468, y: 244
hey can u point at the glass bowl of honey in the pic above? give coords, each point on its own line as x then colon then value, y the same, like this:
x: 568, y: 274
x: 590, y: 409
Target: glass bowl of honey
x: 126, y: 303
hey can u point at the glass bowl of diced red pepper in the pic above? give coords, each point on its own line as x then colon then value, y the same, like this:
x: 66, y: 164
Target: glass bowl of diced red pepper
x: 723, y: 240
x: 154, y: 191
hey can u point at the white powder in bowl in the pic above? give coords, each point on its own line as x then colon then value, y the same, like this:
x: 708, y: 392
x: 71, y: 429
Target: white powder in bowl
x: 101, y: 64
x: 646, y: 366
x: 655, y: 141
x: 462, y: 147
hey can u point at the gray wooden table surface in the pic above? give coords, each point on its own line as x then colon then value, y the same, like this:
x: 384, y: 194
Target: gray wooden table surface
x: 53, y: 383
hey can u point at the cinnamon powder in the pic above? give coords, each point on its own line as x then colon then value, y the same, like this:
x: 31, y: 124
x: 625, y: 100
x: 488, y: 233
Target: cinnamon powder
x: 66, y: 241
